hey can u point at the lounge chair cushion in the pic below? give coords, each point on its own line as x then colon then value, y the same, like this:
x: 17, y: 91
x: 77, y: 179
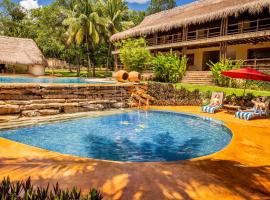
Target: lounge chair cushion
x: 249, y: 115
x: 244, y: 115
x: 210, y: 109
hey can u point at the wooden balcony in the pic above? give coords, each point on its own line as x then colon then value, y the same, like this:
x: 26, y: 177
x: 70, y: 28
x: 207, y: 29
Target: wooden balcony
x: 242, y: 27
x: 258, y: 64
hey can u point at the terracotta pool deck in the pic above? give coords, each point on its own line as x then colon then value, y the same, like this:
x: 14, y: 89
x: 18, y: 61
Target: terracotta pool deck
x: 240, y: 171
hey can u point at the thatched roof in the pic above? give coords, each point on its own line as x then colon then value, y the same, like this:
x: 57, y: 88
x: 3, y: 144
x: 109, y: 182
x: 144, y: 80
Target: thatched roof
x: 20, y: 51
x: 197, y: 12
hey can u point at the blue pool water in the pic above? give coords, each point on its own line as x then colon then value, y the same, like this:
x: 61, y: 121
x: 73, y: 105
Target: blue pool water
x: 135, y: 136
x: 43, y: 80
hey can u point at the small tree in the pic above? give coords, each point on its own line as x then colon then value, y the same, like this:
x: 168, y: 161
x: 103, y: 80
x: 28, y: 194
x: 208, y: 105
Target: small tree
x: 217, y: 68
x: 169, y: 67
x: 134, y: 55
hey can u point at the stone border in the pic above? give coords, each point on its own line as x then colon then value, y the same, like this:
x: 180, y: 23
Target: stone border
x: 28, y: 121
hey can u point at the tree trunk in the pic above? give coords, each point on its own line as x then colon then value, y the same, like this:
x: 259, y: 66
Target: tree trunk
x: 88, y: 59
x: 78, y: 66
x: 108, y: 55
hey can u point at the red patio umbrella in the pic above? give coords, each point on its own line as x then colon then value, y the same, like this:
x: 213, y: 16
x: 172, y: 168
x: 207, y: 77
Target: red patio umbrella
x: 247, y: 74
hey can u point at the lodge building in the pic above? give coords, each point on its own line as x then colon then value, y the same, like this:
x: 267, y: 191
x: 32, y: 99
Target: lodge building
x: 208, y: 30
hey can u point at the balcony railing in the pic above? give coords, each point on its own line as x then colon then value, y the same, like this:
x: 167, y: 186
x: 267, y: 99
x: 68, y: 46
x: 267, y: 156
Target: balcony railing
x: 258, y: 64
x: 211, y: 32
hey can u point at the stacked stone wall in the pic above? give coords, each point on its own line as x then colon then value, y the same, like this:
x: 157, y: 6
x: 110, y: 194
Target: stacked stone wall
x: 39, y: 99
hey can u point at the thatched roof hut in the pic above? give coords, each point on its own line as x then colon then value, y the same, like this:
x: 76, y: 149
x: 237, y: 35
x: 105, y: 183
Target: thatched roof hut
x: 197, y: 12
x: 20, y: 51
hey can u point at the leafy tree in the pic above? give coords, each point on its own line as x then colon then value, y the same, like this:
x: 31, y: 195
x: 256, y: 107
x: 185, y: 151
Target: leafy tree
x: 136, y: 16
x: 115, y: 13
x: 134, y: 55
x: 84, y: 24
x: 160, y: 5
x: 169, y: 67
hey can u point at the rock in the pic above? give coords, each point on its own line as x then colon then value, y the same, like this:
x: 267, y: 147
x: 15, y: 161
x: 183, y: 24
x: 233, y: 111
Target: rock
x: 94, y: 107
x: 43, y: 106
x: 30, y: 113
x: 49, y: 111
x: 74, y: 109
x: 18, y: 102
x: 119, y: 105
x: 48, y: 101
x: 2, y: 103
x: 9, y: 109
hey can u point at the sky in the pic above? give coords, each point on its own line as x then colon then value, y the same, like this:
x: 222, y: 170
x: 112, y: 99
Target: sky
x: 133, y: 4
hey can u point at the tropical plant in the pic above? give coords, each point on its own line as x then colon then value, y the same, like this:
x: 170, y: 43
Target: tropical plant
x: 84, y: 26
x: 134, y: 55
x: 160, y: 5
x: 219, y: 67
x: 115, y: 12
x: 169, y: 67
x: 25, y: 190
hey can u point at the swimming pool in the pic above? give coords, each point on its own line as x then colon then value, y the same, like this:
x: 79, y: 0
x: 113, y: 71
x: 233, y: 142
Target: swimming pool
x: 136, y: 136
x: 45, y: 80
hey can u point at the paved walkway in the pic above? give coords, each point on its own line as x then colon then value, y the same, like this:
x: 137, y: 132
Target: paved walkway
x: 240, y: 171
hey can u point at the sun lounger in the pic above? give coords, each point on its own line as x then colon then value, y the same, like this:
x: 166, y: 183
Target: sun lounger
x: 213, y: 109
x: 248, y: 115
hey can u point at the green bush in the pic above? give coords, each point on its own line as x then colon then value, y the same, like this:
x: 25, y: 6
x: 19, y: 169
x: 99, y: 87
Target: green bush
x: 24, y: 190
x: 221, y: 66
x: 134, y: 55
x: 169, y: 67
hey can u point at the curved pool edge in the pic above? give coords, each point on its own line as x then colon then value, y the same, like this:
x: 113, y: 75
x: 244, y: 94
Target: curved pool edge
x: 131, y: 180
x: 112, y: 112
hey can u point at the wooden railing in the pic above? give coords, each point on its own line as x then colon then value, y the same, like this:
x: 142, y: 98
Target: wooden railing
x: 211, y: 32
x: 258, y: 64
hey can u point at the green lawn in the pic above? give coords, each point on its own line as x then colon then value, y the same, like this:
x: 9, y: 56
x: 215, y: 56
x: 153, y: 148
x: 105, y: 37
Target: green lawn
x: 67, y: 73
x: 228, y: 91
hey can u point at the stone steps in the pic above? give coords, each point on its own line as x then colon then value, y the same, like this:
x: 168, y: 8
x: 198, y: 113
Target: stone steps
x: 198, y: 77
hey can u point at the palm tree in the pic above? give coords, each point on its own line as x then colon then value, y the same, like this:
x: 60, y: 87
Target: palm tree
x: 84, y: 26
x: 116, y: 12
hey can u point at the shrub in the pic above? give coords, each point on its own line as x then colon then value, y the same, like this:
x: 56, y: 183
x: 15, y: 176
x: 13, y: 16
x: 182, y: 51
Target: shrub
x: 169, y: 67
x: 221, y: 66
x: 133, y: 54
x: 25, y: 190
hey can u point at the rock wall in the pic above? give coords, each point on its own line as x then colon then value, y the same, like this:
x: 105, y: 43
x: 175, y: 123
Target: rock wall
x: 165, y: 94
x: 50, y: 99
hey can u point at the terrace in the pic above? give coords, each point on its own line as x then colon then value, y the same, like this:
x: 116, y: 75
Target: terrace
x: 239, y: 28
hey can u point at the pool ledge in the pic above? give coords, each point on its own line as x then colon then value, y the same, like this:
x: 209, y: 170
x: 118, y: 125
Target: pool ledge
x: 239, y: 171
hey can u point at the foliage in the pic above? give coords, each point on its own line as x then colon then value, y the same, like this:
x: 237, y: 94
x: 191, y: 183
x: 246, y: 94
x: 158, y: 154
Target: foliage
x: 25, y: 190
x: 133, y: 54
x: 221, y: 66
x: 160, y: 5
x: 136, y: 16
x: 76, y: 31
x: 228, y: 91
x: 169, y: 67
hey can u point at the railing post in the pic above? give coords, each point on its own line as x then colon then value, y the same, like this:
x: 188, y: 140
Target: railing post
x: 184, y: 33
x: 155, y: 39
x: 242, y: 26
x: 255, y: 63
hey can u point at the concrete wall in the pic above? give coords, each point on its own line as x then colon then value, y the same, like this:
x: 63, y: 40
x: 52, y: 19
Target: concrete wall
x: 37, y: 70
x: 238, y: 52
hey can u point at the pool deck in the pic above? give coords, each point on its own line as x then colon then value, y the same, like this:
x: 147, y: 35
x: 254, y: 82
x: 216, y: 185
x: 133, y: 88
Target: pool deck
x: 240, y: 171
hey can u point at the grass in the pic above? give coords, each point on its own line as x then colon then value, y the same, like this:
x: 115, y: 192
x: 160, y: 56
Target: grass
x: 67, y: 73
x: 228, y: 91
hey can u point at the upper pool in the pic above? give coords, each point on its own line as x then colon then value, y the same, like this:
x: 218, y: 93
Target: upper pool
x: 46, y: 80
x: 137, y: 136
